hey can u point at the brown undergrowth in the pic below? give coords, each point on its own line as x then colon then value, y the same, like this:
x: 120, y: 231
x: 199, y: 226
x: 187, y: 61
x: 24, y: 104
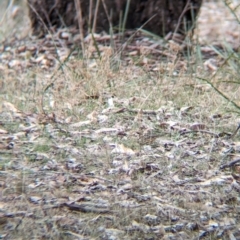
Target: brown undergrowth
x: 134, y: 145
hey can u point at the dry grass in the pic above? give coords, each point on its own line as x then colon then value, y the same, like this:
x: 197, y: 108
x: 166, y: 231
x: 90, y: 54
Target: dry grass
x: 147, y: 167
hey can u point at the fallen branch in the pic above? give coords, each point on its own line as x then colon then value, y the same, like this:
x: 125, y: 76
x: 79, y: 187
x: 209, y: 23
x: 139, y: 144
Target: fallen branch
x: 201, y: 131
x: 230, y: 164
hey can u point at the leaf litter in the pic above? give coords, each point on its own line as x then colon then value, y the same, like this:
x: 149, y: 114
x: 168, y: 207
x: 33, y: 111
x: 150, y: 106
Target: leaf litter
x: 87, y: 165
x: 166, y: 184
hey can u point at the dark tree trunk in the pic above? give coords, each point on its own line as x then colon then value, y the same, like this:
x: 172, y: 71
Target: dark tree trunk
x: 157, y: 16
